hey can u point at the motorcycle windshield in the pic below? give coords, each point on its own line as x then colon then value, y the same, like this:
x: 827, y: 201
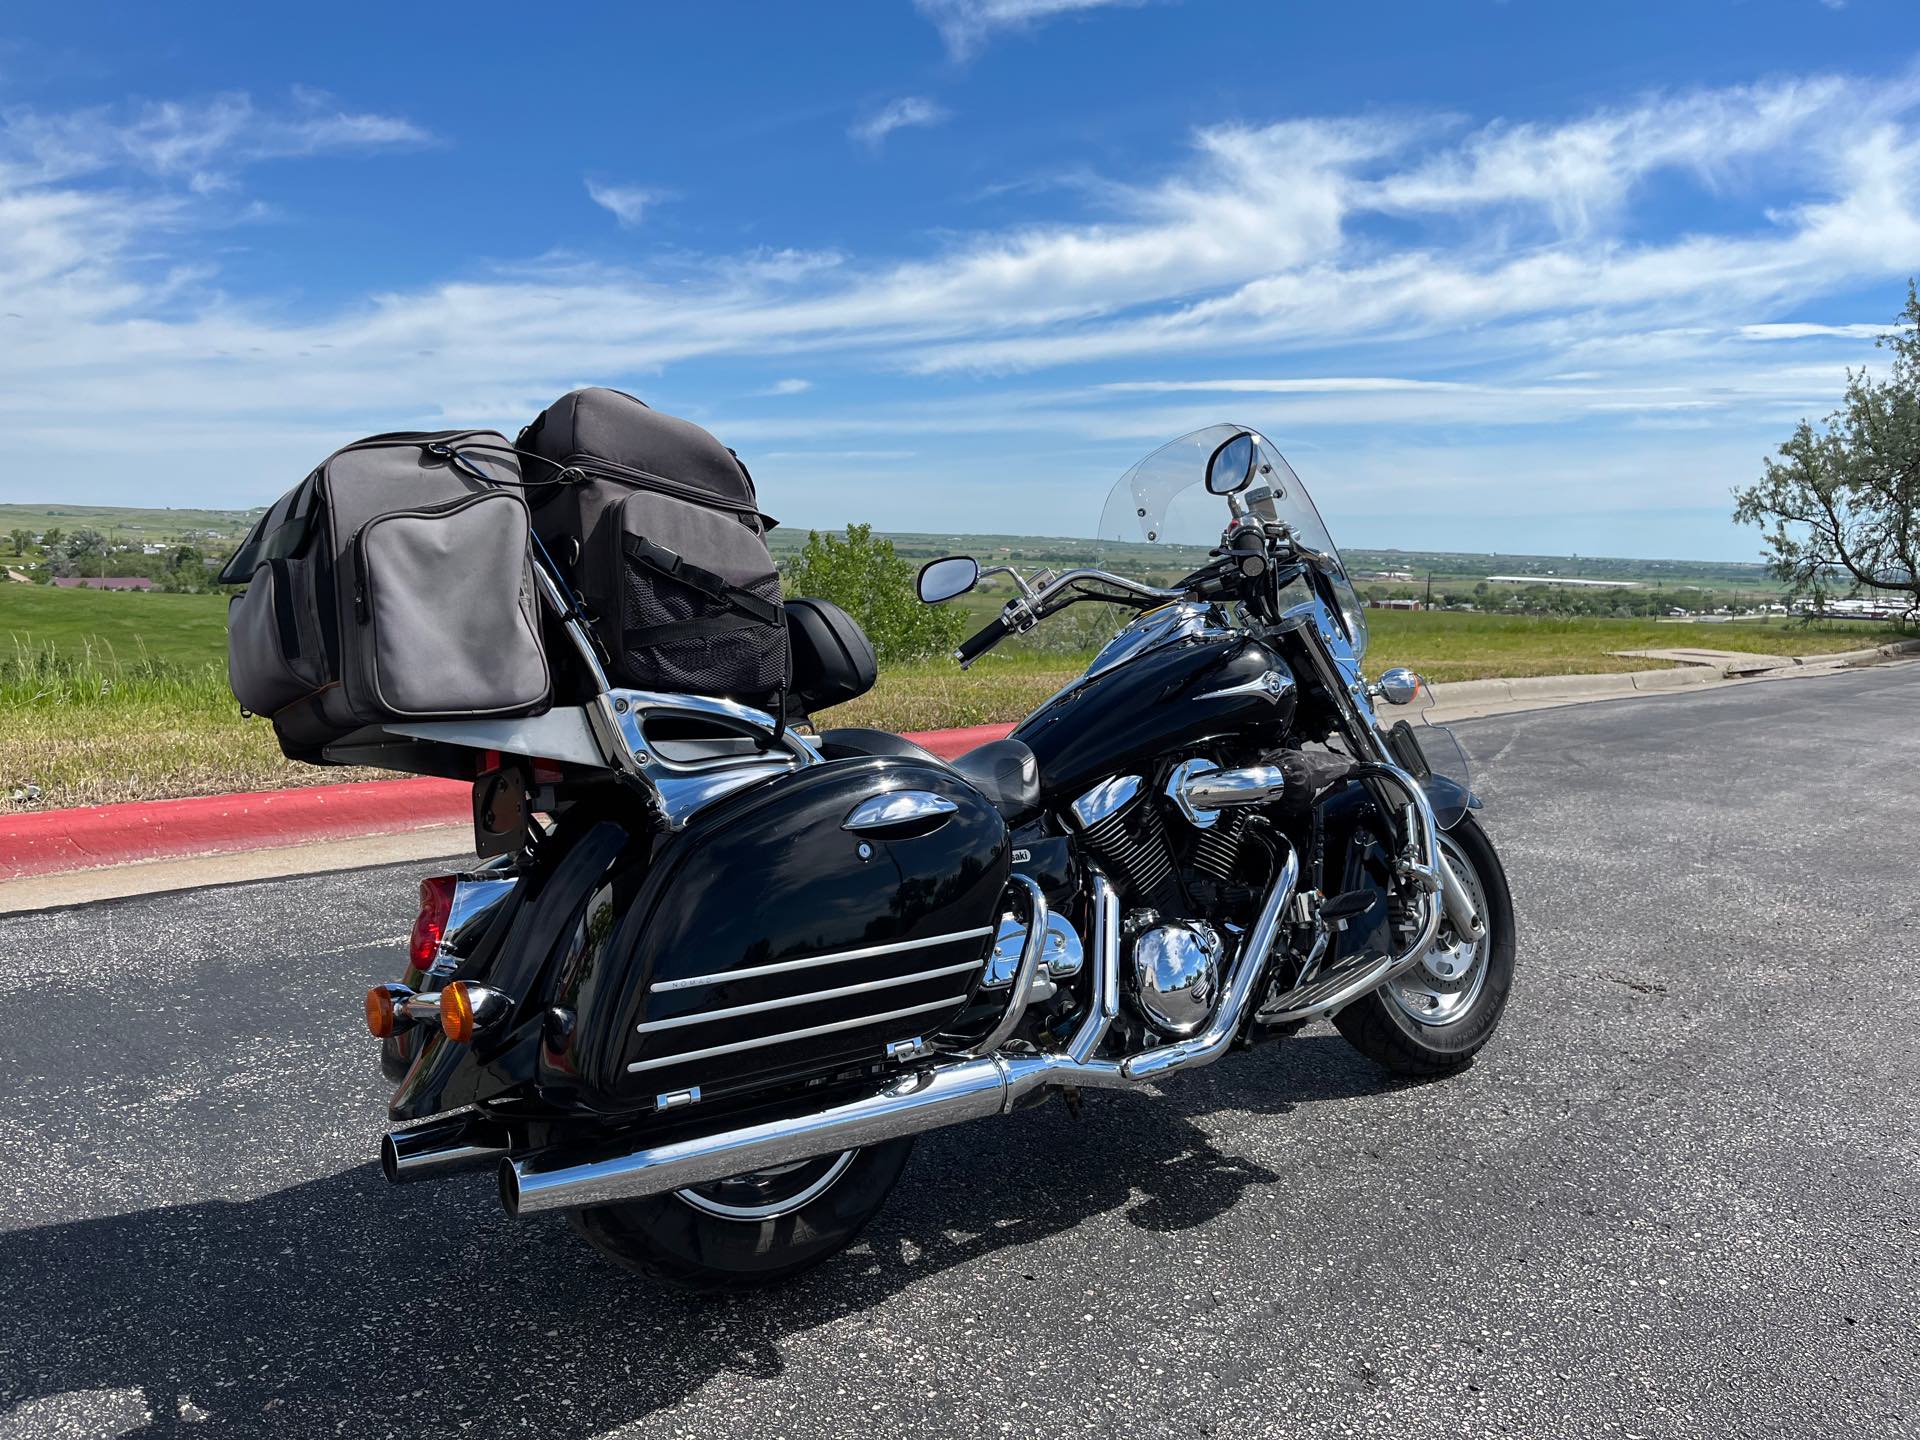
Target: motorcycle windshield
x: 1163, y: 501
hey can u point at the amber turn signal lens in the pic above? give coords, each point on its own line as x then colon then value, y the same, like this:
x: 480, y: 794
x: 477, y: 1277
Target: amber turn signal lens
x: 381, y: 1019
x: 456, y: 1013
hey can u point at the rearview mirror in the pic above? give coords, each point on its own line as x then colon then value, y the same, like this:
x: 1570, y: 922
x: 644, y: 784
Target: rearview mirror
x: 1230, y: 469
x: 947, y: 577
x: 1399, y: 687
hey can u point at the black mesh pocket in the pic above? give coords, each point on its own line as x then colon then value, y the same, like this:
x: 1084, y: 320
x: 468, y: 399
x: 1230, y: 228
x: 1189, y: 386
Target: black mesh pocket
x: 675, y: 636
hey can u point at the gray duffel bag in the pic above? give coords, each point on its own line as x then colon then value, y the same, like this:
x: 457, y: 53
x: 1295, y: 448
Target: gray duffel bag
x: 394, y: 583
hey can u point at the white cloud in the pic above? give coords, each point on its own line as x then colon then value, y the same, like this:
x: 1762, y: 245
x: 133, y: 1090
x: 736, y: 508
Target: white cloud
x: 626, y: 203
x: 906, y: 112
x: 967, y: 25
x: 1515, y: 271
x: 1802, y: 331
x: 788, y: 387
x: 200, y: 140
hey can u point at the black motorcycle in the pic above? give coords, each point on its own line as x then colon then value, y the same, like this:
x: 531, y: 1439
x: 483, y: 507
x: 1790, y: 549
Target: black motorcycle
x: 704, y: 1005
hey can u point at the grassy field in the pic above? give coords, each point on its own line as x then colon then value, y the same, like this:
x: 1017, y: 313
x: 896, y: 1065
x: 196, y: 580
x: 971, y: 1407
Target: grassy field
x: 126, y: 522
x: 115, y: 696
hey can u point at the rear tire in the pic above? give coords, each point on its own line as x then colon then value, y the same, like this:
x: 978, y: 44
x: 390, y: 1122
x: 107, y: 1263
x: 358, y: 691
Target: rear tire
x: 711, y: 1239
x: 1425, y: 1027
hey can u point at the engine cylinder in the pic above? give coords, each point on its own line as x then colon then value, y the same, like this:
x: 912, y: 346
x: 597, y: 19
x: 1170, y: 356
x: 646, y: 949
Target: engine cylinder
x: 1128, y: 836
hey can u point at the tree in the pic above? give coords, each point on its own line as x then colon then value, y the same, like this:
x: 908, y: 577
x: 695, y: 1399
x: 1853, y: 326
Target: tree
x: 85, y: 544
x: 1843, y: 502
x: 51, y: 540
x: 21, y: 539
x: 863, y: 576
x: 185, y: 570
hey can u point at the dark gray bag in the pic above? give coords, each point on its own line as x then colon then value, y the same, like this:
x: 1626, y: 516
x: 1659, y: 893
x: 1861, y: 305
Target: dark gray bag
x: 661, y: 534
x: 394, y: 583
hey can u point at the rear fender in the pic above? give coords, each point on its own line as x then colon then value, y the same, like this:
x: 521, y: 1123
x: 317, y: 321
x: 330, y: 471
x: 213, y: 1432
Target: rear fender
x: 445, y: 1075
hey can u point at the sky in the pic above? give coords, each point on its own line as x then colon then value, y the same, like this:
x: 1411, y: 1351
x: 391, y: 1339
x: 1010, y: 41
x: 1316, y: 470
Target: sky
x: 1521, y: 276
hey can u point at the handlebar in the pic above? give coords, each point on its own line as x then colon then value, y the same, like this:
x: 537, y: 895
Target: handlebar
x: 983, y: 640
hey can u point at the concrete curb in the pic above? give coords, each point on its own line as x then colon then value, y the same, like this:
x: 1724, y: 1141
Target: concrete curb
x: 1543, y: 690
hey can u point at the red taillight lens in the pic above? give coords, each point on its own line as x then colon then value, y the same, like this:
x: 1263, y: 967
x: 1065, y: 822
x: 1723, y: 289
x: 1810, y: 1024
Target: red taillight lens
x: 430, y: 926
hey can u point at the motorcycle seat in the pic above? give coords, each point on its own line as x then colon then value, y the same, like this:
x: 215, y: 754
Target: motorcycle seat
x: 1002, y: 770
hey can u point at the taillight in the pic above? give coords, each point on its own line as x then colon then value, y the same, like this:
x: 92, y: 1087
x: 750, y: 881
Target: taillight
x: 430, y: 925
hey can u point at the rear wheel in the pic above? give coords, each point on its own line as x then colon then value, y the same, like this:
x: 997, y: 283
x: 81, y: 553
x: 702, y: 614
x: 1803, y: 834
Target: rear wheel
x: 749, y: 1230
x: 1433, y: 1019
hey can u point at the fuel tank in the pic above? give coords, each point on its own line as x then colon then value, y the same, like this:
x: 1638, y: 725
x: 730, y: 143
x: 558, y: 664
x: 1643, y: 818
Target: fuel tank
x: 771, y: 942
x: 1124, y: 717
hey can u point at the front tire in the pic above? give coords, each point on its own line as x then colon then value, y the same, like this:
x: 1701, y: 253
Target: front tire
x: 1424, y: 1024
x: 751, y: 1231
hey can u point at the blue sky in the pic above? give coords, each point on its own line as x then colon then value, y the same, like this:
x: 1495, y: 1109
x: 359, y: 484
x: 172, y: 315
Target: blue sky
x: 1521, y: 276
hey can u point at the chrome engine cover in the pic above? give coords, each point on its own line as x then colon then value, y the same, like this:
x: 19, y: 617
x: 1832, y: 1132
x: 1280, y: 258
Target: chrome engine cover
x: 1061, y: 958
x: 1175, y: 976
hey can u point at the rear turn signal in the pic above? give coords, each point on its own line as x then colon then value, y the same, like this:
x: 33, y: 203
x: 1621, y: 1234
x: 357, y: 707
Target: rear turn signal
x: 467, y: 1009
x: 430, y: 925
x: 383, y: 1008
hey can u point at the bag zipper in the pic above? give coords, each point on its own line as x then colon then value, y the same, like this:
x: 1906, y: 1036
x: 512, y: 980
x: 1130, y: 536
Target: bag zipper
x: 647, y: 480
x: 361, y: 608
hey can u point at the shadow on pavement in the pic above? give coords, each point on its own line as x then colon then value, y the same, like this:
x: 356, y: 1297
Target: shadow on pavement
x: 342, y: 1306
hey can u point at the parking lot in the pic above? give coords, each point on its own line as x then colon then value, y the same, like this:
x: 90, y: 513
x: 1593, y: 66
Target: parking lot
x: 1675, y: 1197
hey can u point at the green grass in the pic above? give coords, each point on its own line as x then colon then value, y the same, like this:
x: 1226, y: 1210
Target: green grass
x: 1447, y: 646
x: 113, y: 696
x: 115, y: 626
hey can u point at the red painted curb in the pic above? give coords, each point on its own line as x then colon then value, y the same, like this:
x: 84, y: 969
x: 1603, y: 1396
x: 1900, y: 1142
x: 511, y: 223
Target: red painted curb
x: 951, y: 744
x: 49, y: 842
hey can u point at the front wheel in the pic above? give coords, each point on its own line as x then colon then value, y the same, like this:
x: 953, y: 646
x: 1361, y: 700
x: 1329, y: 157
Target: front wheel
x: 751, y: 1230
x: 1433, y: 1019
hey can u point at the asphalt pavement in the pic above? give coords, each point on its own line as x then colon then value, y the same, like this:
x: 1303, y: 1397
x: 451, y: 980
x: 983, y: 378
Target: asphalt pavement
x: 1675, y: 1197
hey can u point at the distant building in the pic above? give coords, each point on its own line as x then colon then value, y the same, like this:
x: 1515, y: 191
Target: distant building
x: 106, y: 582
x: 1563, y: 580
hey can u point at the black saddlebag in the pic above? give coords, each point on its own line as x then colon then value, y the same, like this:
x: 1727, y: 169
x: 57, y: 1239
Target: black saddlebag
x: 394, y: 582
x: 764, y: 947
x: 660, y: 532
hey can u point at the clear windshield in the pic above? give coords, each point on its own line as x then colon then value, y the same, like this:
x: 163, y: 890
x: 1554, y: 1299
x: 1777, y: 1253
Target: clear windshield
x: 1163, y: 501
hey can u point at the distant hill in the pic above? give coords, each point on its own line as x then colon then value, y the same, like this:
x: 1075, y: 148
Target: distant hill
x: 129, y: 523
x: 154, y: 526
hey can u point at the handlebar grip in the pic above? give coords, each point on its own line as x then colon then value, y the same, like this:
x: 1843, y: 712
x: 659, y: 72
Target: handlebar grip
x: 983, y: 640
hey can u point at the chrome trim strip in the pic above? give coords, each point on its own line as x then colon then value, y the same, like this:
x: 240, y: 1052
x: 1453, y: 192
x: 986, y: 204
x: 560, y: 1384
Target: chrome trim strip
x: 782, y: 966
x: 1273, y: 685
x: 682, y: 1056
x: 648, y: 1027
x: 901, y: 807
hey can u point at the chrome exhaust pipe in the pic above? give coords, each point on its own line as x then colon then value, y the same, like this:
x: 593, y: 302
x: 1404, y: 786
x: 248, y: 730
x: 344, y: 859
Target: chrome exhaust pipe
x: 967, y: 1089
x: 945, y: 1095
x: 442, y: 1147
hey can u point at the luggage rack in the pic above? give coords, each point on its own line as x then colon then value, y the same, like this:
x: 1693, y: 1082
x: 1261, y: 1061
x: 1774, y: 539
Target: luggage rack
x: 687, y: 751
